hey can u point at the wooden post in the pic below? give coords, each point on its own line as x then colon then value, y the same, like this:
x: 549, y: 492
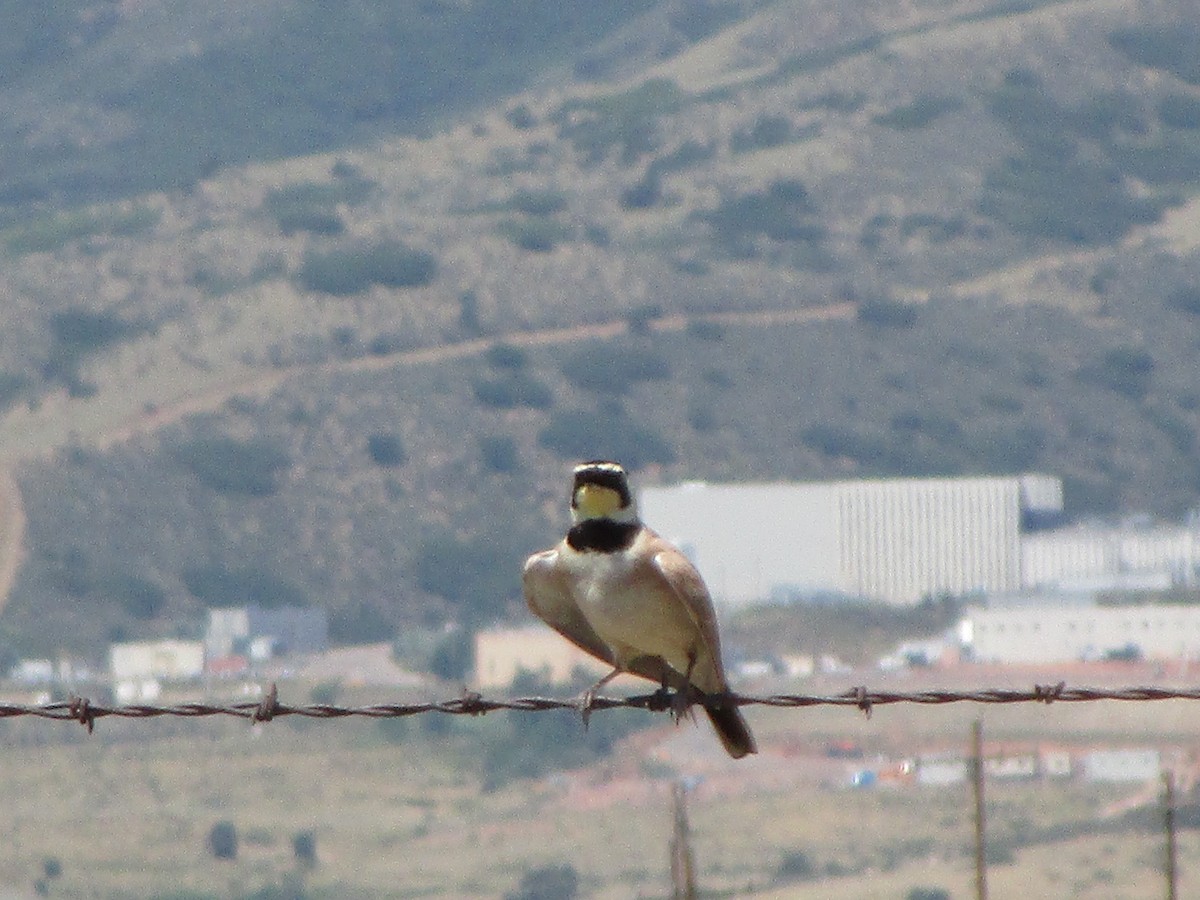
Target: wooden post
x: 981, y: 891
x: 1169, y: 823
x: 683, y: 870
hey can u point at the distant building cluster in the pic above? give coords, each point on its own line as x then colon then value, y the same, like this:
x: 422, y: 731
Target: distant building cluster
x: 1072, y: 633
x: 899, y: 541
x: 234, y: 640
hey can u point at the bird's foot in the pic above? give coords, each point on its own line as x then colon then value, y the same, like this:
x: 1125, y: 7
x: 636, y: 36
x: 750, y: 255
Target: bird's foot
x: 681, y: 704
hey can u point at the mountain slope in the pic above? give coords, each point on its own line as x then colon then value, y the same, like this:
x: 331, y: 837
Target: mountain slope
x: 809, y: 239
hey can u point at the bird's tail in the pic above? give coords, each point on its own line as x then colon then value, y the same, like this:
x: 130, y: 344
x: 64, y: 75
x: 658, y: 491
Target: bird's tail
x: 732, y: 729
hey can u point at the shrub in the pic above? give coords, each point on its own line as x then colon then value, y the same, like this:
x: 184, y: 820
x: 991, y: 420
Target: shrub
x: 46, y: 235
x: 520, y: 117
x: 475, y: 574
x: 1186, y: 299
x: 625, y: 121
x: 537, y: 235
x: 795, y: 865
x: 767, y: 131
x: 499, y: 453
x: 887, y: 313
x: 1180, y: 111
x: 611, y: 369
x: 312, y: 206
x: 1169, y: 47
x: 351, y: 270
x: 222, y: 841
x: 453, y: 655
x: 511, y: 390
x: 506, y: 356
x: 919, y: 114
x: 646, y: 193
x: 927, y: 893
x: 231, y: 466
x: 783, y: 212
x: 386, y: 449
x: 1125, y: 370
x: 315, y: 221
x: 218, y: 586
x: 304, y: 848
x: 547, y: 883
x: 585, y: 434
x: 544, y: 202
x: 11, y: 388
x: 139, y: 597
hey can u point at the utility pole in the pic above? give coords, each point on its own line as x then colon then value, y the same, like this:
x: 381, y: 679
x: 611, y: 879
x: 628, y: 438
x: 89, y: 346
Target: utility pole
x: 683, y: 868
x: 981, y: 891
x: 1169, y: 823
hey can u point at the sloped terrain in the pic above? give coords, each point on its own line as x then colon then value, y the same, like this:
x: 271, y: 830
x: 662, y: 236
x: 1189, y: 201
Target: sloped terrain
x: 798, y: 240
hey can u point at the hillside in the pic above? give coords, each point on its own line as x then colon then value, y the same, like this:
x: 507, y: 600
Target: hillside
x: 721, y: 240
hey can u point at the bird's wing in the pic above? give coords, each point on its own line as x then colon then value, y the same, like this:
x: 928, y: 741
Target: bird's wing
x: 683, y: 581
x: 548, y: 593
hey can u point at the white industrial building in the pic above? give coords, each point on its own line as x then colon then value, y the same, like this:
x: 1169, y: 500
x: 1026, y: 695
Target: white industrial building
x: 1112, y: 557
x: 1037, y: 634
x: 895, y: 540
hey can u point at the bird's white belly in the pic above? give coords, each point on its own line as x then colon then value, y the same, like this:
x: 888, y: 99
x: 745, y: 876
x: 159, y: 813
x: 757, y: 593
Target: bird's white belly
x: 631, y: 618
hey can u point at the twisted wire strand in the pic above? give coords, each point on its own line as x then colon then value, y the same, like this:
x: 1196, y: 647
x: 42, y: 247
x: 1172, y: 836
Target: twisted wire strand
x: 87, y: 713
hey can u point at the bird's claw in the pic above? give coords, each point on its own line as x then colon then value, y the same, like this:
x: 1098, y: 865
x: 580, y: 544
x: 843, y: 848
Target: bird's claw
x: 681, y: 704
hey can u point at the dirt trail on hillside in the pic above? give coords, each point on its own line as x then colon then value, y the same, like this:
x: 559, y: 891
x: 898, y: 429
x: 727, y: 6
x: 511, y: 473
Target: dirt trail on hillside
x: 12, y: 517
x: 262, y: 385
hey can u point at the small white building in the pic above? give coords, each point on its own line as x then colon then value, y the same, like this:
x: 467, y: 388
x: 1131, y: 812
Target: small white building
x: 502, y: 653
x: 148, y: 660
x: 1059, y: 634
x: 1121, y: 765
x: 939, y: 771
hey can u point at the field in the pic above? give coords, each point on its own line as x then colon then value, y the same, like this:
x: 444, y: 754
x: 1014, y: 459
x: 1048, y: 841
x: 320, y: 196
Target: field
x: 127, y: 811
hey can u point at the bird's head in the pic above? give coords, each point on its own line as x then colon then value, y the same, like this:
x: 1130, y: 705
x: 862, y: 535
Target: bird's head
x: 601, y: 491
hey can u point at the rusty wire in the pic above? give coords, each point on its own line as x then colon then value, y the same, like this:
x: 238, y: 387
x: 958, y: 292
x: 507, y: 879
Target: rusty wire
x: 87, y: 713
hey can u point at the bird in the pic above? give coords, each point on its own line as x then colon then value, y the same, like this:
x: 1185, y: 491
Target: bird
x: 630, y: 598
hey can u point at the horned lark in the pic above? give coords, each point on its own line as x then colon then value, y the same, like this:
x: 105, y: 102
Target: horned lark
x: 632, y: 599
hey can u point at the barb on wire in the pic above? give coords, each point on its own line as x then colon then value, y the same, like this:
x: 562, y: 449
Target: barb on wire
x: 86, y: 713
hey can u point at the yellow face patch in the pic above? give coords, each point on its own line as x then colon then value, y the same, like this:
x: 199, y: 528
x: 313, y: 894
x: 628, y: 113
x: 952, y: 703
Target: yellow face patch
x: 594, y: 501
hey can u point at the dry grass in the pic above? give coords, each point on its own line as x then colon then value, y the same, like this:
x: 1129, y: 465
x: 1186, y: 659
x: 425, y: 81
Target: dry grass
x: 128, y: 811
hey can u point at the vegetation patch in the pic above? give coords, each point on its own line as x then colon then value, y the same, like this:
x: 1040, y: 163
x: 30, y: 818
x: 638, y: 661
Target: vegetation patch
x: 625, y: 122
x: 1174, y: 48
x: 351, y: 270
x: 386, y: 449
x: 79, y: 334
x: 230, y: 466
x: 513, y: 389
x: 1125, y: 370
x: 537, y: 234
x: 782, y: 213
x: 610, y: 433
x: 766, y: 132
x: 611, y: 368
x: 51, y: 233
x: 920, y: 113
x: 217, y: 585
x: 1070, y: 180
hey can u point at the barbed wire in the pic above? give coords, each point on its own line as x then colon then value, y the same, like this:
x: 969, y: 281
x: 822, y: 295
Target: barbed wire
x: 87, y: 713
